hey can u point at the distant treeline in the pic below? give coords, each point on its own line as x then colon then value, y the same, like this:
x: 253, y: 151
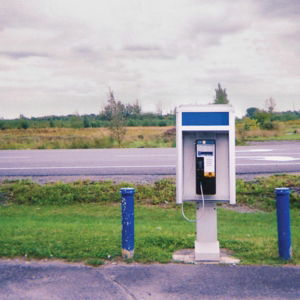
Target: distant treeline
x: 286, y: 116
x: 256, y: 113
x: 87, y: 121
x: 132, y: 119
x: 266, y: 119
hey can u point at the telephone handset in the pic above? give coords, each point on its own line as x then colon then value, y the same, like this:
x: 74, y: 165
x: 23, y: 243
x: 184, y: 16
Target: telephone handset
x: 205, y: 166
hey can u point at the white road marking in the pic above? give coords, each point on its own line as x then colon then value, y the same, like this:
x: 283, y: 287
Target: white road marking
x: 270, y: 158
x: 269, y: 164
x: 14, y: 157
x: 255, y: 150
x: 91, y: 167
x: 145, y: 155
x: 278, y: 153
x: 279, y: 158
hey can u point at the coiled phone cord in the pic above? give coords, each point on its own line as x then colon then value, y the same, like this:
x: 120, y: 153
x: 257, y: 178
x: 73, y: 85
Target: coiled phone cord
x: 182, y: 209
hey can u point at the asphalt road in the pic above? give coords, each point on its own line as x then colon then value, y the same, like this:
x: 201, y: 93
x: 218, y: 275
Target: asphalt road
x: 40, y: 280
x: 272, y: 157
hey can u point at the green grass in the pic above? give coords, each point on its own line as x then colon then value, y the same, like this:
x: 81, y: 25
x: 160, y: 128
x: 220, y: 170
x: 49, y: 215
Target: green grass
x: 253, y: 236
x: 84, y: 138
x: 80, y: 221
x: 282, y: 137
x: 92, y: 233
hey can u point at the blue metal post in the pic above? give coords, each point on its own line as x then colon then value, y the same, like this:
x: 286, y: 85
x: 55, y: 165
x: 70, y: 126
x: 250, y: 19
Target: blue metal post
x: 127, y: 222
x: 283, y: 222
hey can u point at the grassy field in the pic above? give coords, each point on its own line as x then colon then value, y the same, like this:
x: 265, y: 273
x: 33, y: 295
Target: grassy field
x: 80, y: 221
x: 91, y: 233
x: 68, y: 138
x: 289, y: 130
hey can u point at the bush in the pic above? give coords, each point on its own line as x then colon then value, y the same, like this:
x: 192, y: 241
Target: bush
x: 59, y: 193
x: 132, y: 123
x: 258, y: 193
x: 162, y: 123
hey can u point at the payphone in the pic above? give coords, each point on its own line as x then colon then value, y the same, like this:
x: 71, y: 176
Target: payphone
x: 205, y: 172
x: 205, y: 143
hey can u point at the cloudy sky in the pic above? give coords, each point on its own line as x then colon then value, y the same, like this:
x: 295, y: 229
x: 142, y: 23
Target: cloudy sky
x: 61, y: 56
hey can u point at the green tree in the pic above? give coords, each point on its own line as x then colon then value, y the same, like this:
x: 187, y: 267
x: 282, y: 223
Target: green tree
x: 264, y: 119
x: 221, y: 96
x: 75, y: 121
x: 251, y: 111
x: 23, y: 122
x: 86, y: 122
x: 51, y: 124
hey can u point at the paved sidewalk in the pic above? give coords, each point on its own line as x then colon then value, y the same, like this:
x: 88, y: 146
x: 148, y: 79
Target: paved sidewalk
x: 55, y: 280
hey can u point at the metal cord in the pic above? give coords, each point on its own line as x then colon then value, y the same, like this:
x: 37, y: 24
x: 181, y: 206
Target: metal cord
x: 182, y: 210
x: 202, y: 195
x: 183, y: 214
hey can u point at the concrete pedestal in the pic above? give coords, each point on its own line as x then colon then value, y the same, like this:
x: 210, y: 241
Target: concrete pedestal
x: 207, y: 246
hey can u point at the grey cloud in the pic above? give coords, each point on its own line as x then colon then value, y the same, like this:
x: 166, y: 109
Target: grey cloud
x: 226, y: 26
x: 30, y: 14
x: 280, y: 8
x: 141, y: 48
x: 84, y: 50
x: 209, y: 32
x: 22, y: 54
x: 17, y: 14
x: 89, y: 53
x: 145, y: 51
x: 230, y: 18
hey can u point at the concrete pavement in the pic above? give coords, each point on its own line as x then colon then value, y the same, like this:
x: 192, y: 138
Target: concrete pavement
x: 56, y: 280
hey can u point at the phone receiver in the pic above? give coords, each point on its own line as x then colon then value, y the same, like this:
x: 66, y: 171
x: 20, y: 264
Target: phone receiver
x: 205, y: 166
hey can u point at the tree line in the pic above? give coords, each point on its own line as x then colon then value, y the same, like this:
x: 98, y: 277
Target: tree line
x: 118, y: 114
x: 87, y: 121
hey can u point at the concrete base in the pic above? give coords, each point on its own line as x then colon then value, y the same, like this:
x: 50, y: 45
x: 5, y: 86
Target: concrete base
x: 207, y: 251
x: 187, y: 256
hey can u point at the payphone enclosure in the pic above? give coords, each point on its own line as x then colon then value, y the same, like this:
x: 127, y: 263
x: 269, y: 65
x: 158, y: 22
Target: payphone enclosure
x: 205, y: 142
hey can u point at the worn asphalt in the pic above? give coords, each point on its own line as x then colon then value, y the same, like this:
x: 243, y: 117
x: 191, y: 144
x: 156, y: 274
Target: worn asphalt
x: 56, y: 280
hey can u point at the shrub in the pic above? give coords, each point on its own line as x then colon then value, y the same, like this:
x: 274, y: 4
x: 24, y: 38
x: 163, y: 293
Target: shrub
x: 258, y: 193
x: 59, y: 193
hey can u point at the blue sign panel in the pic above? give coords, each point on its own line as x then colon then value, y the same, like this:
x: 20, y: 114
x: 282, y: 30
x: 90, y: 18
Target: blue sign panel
x: 205, y: 118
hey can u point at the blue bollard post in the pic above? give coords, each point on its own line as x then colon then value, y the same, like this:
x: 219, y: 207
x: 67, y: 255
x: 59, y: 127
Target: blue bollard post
x: 283, y: 222
x: 127, y: 205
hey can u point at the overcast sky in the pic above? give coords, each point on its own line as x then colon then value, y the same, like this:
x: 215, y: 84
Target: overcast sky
x: 61, y: 56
